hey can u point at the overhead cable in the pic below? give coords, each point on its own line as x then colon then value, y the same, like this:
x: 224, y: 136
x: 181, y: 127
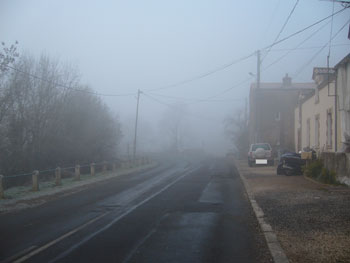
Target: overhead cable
x: 281, y: 30
x: 320, y: 50
x: 200, y: 76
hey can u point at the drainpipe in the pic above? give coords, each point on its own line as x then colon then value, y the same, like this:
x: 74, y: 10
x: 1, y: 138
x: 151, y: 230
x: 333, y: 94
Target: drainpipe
x: 336, y: 113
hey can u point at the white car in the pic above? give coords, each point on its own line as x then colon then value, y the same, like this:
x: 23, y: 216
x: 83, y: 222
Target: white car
x: 260, y: 153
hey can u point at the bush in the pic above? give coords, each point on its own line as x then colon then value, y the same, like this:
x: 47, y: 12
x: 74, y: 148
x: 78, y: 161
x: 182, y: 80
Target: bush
x: 317, y: 171
x: 314, y: 169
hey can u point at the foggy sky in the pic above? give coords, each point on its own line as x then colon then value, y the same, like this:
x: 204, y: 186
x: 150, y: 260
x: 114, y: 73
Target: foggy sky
x: 122, y: 46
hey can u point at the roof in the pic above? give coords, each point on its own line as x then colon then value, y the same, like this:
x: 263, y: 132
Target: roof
x: 342, y: 62
x: 279, y: 85
x: 322, y: 85
x: 322, y: 70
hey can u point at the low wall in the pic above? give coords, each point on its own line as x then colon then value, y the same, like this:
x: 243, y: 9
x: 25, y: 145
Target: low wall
x: 338, y: 162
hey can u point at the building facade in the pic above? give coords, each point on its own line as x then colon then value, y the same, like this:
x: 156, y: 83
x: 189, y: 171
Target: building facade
x: 322, y: 118
x: 315, y: 114
x: 343, y: 102
x: 271, y: 112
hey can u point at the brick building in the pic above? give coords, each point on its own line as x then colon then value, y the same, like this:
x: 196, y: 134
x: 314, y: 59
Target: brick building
x: 271, y: 112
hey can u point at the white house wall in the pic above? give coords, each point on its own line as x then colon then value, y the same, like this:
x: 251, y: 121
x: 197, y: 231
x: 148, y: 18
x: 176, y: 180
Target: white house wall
x: 310, y: 110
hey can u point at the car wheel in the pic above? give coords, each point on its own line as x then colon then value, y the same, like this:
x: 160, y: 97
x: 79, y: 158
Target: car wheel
x: 288, y: 172
x: 279, y: 170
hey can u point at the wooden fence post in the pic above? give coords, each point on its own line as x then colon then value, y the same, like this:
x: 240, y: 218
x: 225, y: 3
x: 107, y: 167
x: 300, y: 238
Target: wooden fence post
x: 92, y: 169
x: 35, y: 179
x: 58, y: 176
x: 77, y: 172
x: 2, y: 194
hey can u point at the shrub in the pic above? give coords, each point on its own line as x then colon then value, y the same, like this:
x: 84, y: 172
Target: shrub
x: 317, y: 171
x: 314, y: 169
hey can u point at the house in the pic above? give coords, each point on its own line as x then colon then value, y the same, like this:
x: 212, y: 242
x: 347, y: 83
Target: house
x: 343, y: 93
x: 271, y: 112
x: 322, y: 118
x: 315, y: 114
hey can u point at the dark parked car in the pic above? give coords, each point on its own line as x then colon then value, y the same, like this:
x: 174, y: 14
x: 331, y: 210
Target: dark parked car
x: 290, y: 164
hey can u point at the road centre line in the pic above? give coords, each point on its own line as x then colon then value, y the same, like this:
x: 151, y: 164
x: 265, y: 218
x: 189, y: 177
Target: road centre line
x: 121, y: 216
x: 17, y: 255
x: 53, y: 242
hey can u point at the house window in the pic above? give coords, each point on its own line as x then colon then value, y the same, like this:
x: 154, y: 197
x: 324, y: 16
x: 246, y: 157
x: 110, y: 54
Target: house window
x: 308, y: 132
x: 317, y: 131
x: 329, y: 128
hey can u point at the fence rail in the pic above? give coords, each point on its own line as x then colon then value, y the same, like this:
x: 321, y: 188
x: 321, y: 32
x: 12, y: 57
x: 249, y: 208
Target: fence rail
x: 56, y: 174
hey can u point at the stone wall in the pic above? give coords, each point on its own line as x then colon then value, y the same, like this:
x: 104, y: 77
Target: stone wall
x: 338, y: 162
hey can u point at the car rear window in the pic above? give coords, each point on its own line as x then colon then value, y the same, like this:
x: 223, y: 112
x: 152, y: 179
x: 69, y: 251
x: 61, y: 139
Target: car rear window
x: 264, y: 146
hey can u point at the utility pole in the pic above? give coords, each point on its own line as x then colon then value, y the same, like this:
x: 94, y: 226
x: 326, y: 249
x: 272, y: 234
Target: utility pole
x: 136, y: 121
x: 258, y: 70
x: 246, y: 113
x: 257, y: 121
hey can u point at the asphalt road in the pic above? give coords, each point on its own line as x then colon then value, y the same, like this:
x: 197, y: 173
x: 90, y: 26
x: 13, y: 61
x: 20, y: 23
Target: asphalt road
x: 174, y: 213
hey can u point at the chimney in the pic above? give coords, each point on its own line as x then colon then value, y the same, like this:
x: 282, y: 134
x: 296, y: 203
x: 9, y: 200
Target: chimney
x: 287, y: 81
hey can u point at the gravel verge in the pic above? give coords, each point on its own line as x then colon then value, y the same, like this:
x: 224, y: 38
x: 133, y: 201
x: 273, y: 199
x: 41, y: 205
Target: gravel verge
x: 311, y: 220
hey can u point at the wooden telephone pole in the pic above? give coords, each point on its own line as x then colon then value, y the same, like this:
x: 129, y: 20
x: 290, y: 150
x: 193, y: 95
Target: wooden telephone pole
x: 136, y: 122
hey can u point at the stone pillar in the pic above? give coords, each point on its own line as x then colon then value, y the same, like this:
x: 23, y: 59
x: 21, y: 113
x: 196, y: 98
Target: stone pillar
x: 92, y: 169
x: 2, y: 194
x: 58, y: 176
x: 35, y: 179
x: 77, y: 172
x: 104, y: 167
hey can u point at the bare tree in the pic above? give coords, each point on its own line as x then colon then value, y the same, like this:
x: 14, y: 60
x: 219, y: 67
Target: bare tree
x: 8, y: 56
x: 173, y: 125
x: 46, y: 124
x: 236, y: 129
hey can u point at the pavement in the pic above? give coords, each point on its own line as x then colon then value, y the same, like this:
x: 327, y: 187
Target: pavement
x: 180, y: 213
x: 311, y: 220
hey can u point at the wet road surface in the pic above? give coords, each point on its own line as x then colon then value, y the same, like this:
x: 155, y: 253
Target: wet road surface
x: 174, y: 213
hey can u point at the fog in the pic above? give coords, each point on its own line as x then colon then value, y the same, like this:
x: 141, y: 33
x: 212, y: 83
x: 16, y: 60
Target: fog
x: 166, y: 49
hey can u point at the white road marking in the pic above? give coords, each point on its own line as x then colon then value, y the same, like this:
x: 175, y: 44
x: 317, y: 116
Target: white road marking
x: 121, y: 216
x: 17, y: 255
x: 38, y: 250
x: 51, y: 243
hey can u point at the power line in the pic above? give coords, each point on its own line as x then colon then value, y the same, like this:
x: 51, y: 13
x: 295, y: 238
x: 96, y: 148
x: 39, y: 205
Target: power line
x: 220, y: 68
x: 193, y: 99
x: 56, y: 84
x: 190, y: 79
x: 284, y: 25
x: 298, y: 32
x: 304, y: 29
x: 231, y: 88
x: 295, y: 48
x: 305, y: 48
x: 200, y: 76
x: 319, y: 51
x: 173, y: 107
x: 272, y: 17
